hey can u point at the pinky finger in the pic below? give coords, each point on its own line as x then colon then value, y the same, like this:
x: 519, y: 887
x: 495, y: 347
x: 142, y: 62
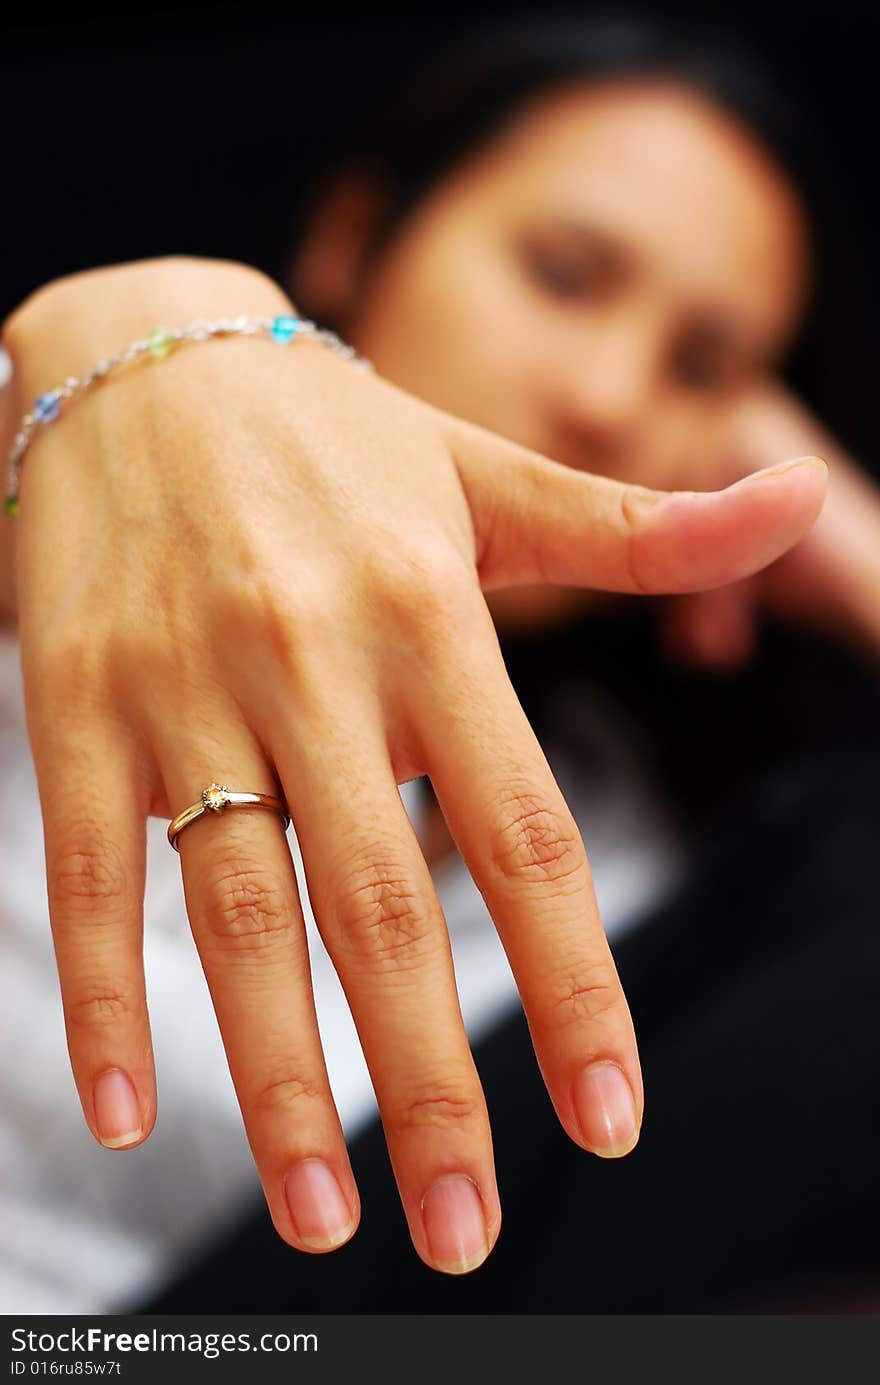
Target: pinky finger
x: 95, y: 848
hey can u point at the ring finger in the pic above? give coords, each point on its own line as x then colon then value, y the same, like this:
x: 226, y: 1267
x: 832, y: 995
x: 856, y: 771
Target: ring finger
x: 247, y: 921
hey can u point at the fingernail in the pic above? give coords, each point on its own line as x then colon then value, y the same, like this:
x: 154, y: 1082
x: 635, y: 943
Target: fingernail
x: 320, y: 1214
x: 782, y: 467
x: 605, y: 1109
x: 455, y: 1225
x: 117, y: 1112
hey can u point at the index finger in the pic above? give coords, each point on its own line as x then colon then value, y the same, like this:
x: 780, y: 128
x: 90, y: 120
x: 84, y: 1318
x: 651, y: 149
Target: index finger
x: 525, y: 853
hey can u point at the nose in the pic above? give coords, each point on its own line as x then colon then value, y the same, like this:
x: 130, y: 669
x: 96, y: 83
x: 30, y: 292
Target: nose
x: 603, y: 394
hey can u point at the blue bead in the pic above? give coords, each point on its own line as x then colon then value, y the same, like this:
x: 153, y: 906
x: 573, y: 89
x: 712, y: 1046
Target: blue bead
x: 47, y: 407
x: 283, y: 328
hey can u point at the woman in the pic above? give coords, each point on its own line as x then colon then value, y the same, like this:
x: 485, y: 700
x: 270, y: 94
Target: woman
x: 619, y: 312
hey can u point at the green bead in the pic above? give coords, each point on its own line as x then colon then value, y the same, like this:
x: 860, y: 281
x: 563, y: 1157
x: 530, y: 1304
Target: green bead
x: 159, y: 342
x: 10, y: 506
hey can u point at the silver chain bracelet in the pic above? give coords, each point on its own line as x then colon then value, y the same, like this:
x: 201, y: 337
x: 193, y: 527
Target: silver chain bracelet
x: 47, y: 408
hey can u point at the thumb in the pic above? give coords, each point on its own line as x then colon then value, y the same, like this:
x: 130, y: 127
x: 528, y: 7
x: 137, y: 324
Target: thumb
x: 536, y: 520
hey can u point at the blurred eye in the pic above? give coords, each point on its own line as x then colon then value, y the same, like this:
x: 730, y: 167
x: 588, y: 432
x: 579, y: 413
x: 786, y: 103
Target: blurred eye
x: 702, y: 370
x: 563, y: 275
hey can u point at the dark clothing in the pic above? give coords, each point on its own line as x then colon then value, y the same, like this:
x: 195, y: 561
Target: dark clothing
x: 754, y: 993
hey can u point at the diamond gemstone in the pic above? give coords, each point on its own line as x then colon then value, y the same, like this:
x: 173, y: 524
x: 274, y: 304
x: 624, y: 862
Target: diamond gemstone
x: 215, y: 797
x: 159, y: 343
x: 284, y: 328
x: 47, y: 407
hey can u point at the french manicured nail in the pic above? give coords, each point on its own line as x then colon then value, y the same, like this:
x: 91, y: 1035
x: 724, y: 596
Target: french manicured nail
x: 320, y: 1214
x: 117, y: 1113
x: 452, y: 1213
x: 605, y: 1109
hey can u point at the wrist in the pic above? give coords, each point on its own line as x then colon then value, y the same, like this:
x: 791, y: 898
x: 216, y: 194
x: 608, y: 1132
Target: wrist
x: 66, y: 326
x: 8, y: 425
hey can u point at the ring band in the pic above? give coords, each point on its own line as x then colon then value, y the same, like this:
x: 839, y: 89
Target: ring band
x: 216, y: 798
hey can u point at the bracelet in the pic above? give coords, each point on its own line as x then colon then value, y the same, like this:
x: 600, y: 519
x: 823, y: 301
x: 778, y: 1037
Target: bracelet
x: 47, y: 408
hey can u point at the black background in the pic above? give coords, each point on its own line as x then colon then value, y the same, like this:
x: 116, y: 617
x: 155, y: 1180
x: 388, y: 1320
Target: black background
x: 155, y: 130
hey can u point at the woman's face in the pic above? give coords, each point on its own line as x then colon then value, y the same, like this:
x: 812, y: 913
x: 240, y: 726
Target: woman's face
x: 597, y: 282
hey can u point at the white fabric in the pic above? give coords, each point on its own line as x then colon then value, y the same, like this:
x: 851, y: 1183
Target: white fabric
x: 87, y: 1230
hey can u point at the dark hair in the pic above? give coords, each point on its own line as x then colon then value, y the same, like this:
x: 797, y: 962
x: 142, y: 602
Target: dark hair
x: 456, y: 100
x: 465, y: 95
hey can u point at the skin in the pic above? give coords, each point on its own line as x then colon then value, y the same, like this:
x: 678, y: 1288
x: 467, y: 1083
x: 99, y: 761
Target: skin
x: 629, y: 256
x: 312, y: 623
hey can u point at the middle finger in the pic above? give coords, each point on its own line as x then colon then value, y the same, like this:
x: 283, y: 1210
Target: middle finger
x: 383, y: 926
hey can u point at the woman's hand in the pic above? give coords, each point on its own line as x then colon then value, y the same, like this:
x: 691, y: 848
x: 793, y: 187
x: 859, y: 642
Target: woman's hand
x: 262, y: 566
x: 829, y: 581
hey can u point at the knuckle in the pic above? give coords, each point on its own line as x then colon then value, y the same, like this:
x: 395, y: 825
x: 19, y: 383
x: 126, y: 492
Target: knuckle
x: 535, y: 842
x: 99, y: 1008
x: 287, y: 1092
x: 289, y: 619
x: 449, y: 1105
x: 383, y: 919
x: 67, y: 663
x: 426, y: 589
x: 588, y: 995
x: 87, y: 873
x: 632, y: 518
x: 246, y: 906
